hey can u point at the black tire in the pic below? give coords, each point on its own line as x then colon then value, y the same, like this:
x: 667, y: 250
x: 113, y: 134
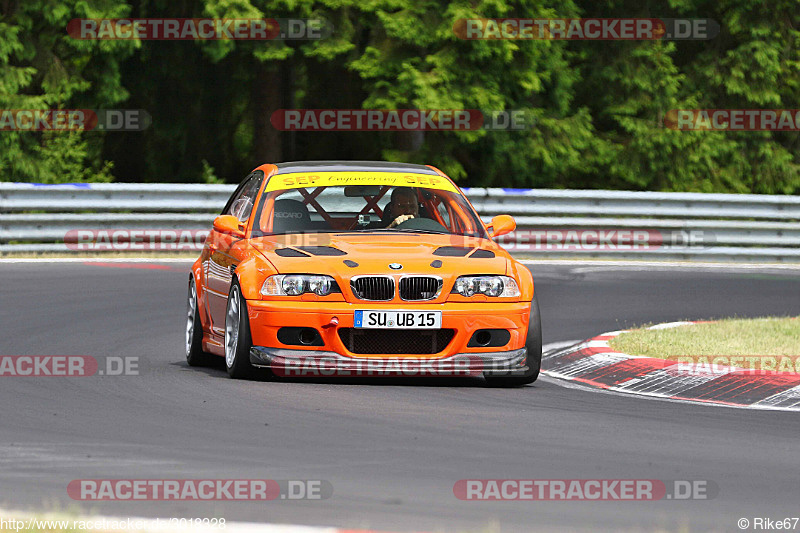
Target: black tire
x: 237, y: 351
x: 533, y: 343
x: 195, y: 355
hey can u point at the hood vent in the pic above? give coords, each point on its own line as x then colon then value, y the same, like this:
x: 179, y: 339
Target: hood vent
x: 290, y: 252
x: 306, y: 251
x: 452, y: 251
x: 322, y: 250
x: 482, y: 254
x: 461, y: 251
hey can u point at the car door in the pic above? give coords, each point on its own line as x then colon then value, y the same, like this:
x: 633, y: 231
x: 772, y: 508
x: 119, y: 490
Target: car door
x: 222, y: 262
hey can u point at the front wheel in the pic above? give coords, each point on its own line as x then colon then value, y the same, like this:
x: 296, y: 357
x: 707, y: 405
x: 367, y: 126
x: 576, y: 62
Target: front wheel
x: 533, y: 343
x: 237, y: 335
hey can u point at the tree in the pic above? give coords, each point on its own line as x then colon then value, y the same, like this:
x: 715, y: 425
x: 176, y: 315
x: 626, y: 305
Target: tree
x: 41, y: 67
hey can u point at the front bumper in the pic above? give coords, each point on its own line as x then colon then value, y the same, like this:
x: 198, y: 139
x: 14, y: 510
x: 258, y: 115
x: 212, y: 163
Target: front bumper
x: 267, y: 317
x: 313, y: 363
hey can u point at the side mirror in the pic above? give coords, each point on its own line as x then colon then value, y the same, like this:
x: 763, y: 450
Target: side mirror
x: 501, y: 224
x: 229, y: 224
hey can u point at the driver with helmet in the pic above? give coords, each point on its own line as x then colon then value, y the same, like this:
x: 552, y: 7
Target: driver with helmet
x: 403, y: 206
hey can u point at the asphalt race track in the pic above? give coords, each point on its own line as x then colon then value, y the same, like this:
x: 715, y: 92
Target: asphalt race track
x: 391, y: 449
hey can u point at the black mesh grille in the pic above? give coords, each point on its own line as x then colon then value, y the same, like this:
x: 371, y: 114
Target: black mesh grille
x: 395, y: 341
x: 373, y: 288
x: 419, y: 288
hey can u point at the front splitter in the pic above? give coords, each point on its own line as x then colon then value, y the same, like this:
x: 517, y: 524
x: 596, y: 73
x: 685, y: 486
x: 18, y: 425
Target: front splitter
x: 308, y: 363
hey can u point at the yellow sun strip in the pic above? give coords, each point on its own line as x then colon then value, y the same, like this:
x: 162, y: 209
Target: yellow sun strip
x: 332, y: 179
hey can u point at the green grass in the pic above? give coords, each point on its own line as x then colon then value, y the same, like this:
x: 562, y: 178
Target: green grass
x: 759, y: 343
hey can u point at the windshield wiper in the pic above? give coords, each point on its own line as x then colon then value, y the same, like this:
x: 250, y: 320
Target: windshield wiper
x: 427, y: 231
x: 395, y: 230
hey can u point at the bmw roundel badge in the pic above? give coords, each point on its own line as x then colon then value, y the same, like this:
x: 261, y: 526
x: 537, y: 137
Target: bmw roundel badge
x: 395, y: 266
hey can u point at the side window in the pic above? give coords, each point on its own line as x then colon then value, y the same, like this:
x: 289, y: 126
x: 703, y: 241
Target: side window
x: 241, y: 203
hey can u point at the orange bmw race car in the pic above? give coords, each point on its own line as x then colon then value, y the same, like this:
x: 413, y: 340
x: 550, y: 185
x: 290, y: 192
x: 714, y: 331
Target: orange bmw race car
x: 348, y: 268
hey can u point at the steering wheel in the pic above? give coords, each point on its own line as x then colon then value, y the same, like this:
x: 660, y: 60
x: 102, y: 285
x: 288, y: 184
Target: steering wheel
x: 421, y: 223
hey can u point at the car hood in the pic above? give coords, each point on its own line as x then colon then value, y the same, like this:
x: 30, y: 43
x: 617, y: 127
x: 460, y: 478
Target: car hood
x: 346, y: 255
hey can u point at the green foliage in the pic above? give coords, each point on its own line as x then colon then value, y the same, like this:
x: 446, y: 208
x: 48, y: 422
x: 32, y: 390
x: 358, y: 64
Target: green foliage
x: 598, y: 107
x: 209, y: 174
x: 41, y: 67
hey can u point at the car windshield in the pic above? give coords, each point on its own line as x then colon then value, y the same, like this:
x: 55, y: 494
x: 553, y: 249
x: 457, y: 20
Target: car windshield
x: 367, y: 207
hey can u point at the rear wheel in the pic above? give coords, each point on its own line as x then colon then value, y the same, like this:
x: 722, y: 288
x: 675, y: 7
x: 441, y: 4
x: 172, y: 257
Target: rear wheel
x: 237, y: 335
x: 195, y: 355
x: 533, y: 344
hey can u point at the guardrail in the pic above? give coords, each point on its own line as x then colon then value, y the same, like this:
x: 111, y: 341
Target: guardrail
x: 550, y: 223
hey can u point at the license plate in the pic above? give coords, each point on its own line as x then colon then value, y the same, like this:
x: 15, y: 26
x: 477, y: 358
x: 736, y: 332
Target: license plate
x: 398, y: 319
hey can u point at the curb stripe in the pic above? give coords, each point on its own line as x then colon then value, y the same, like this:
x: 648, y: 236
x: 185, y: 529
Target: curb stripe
x: 587, y: 364
x: 786, y: 399
x: 620, y: 373
x: 741, y: 388
x: 594, y: 363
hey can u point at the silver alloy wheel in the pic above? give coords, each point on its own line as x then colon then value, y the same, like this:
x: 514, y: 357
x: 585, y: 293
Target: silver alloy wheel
x: 232, y: 327
x: 191, y: 307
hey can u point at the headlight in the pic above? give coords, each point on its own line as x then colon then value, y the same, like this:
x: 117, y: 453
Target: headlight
x: 297, y: 284
x: 495, y: 286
